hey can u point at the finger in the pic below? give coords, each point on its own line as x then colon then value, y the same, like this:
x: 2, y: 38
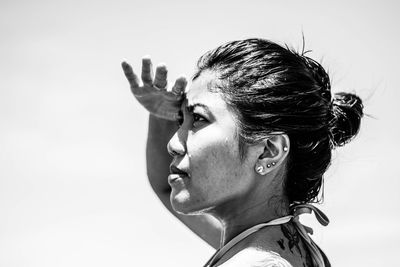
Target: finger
x: 147, y: 71
x: 160, y: 80
x: 179, y: 86
x: 130, y: 75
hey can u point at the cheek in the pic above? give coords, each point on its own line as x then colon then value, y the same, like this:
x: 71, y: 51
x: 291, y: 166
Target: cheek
x: 215, y: 161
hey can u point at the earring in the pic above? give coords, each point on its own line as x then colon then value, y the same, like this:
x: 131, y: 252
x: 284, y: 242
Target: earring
x: 285, y: 148
x: 259, y: 169
x: 273, y: 163
x: 268, y: 165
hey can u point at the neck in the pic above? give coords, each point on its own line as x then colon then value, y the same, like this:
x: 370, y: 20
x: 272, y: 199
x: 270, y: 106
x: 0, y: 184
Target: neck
x: 261, y: 203
x: 240, y: 219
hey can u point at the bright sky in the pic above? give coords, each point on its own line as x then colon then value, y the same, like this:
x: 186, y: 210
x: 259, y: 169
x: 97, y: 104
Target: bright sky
x: 73, y: 188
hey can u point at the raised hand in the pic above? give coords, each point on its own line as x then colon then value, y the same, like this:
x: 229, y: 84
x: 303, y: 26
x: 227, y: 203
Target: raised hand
x: 153, y: 94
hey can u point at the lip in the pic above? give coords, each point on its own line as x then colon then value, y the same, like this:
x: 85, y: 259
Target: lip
x: 175, y: 177
x: 173, y: 169
x: 176, y: 174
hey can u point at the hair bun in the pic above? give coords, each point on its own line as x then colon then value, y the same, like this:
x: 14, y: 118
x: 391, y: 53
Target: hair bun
x: 347, y: 110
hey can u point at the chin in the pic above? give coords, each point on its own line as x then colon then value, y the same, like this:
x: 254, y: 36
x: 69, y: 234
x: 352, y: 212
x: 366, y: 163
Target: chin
x: 182, y: 204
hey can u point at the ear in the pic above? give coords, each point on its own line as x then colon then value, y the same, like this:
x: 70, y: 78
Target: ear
x: 276, y: 149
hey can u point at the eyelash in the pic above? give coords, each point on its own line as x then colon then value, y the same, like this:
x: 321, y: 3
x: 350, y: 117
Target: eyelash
x: 196, y: 118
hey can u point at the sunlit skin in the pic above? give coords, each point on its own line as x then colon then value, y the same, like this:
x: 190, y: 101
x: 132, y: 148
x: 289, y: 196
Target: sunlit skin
x: 220, y: 183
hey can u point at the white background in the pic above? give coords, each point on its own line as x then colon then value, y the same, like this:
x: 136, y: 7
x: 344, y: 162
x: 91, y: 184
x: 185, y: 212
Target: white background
x: 73, y: 188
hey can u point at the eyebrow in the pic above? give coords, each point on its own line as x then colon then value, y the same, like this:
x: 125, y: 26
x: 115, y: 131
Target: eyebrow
x: 192, y: 107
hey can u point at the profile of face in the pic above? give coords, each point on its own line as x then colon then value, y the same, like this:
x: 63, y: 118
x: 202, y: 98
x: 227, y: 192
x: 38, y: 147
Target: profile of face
x: 207, y: 170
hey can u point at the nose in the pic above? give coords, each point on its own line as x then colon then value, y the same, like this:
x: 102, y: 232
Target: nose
x: 176, y: 146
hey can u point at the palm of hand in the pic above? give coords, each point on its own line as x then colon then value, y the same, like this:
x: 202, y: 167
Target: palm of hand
x: 153, y: 94
x: 158, y: 102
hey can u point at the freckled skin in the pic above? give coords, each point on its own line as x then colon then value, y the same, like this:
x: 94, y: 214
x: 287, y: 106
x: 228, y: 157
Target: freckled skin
x: 210, y: 153
x: 222, y: 184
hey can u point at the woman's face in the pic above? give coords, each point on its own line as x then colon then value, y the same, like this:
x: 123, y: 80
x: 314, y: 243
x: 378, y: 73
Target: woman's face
x: 206, y: 148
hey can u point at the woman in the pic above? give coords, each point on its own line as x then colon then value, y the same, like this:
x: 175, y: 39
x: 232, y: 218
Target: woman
x: 256, y: 130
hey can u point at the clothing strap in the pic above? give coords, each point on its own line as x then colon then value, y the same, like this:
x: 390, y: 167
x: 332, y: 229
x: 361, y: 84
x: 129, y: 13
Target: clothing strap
x: 220, y: 252
x: 317, y: 255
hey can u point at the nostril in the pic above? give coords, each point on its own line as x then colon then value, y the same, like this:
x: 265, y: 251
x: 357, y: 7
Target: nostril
x: 173, y: 152
x: 175, y: 147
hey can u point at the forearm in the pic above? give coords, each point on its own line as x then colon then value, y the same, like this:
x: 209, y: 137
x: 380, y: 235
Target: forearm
x: 157, y: 157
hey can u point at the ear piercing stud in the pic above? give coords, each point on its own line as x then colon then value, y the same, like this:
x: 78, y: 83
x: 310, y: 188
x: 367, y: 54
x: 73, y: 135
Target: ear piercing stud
x: 272, y: 164
x: 285, y: 148
x: 259, y: 169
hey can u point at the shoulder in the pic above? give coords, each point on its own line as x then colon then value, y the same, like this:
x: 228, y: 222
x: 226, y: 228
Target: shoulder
x: 253, y: 257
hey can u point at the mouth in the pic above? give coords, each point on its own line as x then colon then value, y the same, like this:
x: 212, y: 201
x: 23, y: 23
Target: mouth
x: 176, y: 174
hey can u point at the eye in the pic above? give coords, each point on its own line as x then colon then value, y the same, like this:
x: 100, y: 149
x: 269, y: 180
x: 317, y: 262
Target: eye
x: 197, y: 118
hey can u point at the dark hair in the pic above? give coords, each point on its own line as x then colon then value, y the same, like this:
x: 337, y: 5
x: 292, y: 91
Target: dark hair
x: 275, y: 89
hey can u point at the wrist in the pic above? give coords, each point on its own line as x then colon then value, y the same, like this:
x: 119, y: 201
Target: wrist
x: 162, y: 125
